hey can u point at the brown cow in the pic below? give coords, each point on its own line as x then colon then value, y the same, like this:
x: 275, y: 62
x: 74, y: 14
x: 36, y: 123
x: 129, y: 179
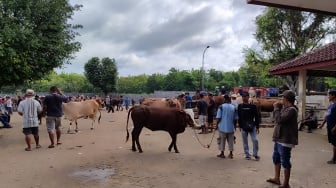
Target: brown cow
x: 265, y: 104
x: 114, y: 102
x: 162, y: 102
x: 166, y: 119
x: 75, y: 110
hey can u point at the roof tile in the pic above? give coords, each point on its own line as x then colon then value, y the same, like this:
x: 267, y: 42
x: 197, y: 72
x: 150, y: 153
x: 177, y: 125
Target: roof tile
x: 322, y: 54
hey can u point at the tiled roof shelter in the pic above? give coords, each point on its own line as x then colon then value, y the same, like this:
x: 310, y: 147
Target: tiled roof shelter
x: 320, y: 62
x: 319, y: 6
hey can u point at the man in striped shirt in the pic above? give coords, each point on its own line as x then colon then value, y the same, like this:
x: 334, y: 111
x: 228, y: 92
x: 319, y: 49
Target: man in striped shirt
x: 29, y: 109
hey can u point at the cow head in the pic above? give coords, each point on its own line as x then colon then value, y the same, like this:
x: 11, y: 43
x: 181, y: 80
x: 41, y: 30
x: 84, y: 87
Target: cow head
x: 187, y: 119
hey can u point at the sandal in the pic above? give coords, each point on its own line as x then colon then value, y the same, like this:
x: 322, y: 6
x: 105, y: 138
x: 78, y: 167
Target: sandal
x: 331, y: 162
x: 38, y: 146
x: 221, y: 156
x: 51, y: 146
x: 59, y: 143
x: 273, y: 181
x: 28, y: 149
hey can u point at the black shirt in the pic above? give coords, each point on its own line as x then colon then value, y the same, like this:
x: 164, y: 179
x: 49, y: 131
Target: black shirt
x: 53, y: 102
x: 248, y: 113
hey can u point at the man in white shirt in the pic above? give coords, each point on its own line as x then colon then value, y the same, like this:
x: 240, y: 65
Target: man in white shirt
x: 29, y: 109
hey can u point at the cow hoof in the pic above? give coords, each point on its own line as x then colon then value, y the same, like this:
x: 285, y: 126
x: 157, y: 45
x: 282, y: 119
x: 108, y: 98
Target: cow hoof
x: 140, y: 151
x: 177, y: 152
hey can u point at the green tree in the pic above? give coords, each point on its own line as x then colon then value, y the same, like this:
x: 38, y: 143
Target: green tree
x: 102, y: 74
x: 177, y: 80
x: 154, y: 82
x: 331, y: 83
x: 133, y: 84
x: 285, y: 34
x: 67, y: 82
x: 255, y: 71
x: 35, y: 38
x: 230, y: 80
x: 173, y: 81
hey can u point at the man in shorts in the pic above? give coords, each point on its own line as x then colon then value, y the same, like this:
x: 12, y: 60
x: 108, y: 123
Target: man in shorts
x: 53, y: 105
x: 29, y: 109
x: 202, y: 107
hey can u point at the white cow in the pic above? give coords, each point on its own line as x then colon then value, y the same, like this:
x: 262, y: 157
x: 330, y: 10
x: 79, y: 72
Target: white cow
x: 192, y: 115
x: 75, y: 110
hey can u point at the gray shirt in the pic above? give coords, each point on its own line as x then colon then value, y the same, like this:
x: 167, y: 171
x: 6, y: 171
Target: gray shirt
x: 29, y: 109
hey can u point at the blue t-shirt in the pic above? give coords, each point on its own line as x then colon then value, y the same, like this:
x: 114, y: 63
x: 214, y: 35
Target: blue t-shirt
x: 227, y: 113
x: 188, y: 99
x: 331, y: 116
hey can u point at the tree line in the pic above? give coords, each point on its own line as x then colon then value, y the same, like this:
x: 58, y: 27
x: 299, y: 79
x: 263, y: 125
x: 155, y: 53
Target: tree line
x: 36, y: 37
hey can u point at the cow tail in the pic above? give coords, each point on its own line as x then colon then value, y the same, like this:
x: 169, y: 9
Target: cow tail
x: 129, y: 111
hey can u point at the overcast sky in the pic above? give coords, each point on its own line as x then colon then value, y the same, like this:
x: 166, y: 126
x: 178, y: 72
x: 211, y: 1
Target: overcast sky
x: 152, y: 36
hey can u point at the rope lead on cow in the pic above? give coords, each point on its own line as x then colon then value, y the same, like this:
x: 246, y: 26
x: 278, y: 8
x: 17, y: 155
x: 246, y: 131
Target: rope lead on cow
x: 205, y: 145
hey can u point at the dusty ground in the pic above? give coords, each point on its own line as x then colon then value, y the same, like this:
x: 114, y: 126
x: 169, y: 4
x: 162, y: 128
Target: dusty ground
x: 101, y: 158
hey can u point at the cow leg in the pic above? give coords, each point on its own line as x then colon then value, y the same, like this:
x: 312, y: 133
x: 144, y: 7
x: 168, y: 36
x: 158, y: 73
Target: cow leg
x: 173, y: 143
x: 76, y: 130
x: 92, y: 125
x: 69, y: 127
x: 135, y: 139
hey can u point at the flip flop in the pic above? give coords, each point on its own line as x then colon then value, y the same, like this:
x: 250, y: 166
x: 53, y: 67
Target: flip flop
x: 38, y: 146
x: 273, y: 181
x: 27, y: 149
x: 51, y: 146
x: 221, y: 156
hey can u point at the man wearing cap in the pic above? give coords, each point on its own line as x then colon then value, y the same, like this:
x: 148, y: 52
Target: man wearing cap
x: 331, y: 124
x: 248, y: 120
x: 234, y: 101
x: 285, y: 137
x: 29, y: 108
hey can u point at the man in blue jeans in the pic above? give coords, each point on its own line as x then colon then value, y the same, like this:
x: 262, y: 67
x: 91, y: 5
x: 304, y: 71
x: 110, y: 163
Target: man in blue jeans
x: 248, y: 121
x: 4, y: 121
x: 285, y: 137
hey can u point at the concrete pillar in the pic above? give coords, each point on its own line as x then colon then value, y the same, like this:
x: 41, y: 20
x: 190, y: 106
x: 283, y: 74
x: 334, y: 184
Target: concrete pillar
x: 301, y: 95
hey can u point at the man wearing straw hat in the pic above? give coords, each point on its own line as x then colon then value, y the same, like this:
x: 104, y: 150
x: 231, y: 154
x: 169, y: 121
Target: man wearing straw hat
x: 29, y: 109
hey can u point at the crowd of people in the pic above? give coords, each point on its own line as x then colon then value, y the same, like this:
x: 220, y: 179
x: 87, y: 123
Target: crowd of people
x: 231, y: 116
x: 6, y: 111
x: 227, y: 117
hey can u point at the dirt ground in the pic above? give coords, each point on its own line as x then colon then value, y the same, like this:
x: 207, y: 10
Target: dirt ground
x: 101, y: 158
